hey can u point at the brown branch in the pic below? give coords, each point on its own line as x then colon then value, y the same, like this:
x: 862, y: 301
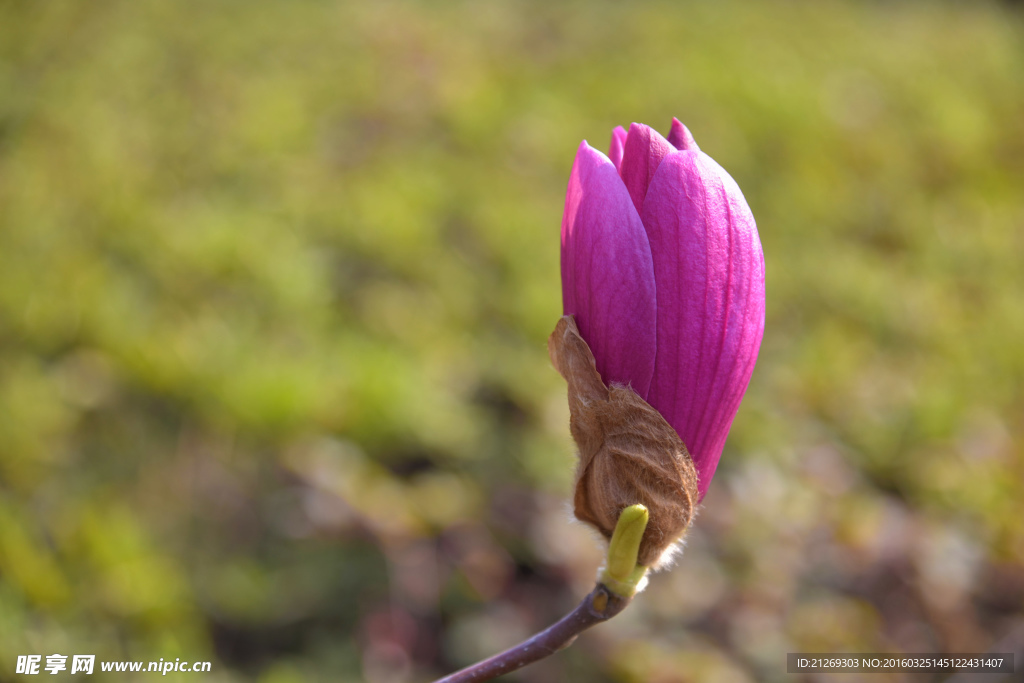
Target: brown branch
x: 600, y: 605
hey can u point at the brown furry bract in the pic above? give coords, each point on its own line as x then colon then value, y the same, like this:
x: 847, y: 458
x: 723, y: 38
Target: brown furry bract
x: 628, y: 452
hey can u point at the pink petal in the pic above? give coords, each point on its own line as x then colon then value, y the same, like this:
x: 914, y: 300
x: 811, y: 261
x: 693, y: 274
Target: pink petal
x: 681, y: 138
x: 617, y: 145
x: 644, y: 150
x: 608, y: 273
x: 709, y: 270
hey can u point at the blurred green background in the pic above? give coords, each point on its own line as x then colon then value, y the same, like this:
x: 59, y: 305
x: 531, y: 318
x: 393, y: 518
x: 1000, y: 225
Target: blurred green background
x: 276, y: 280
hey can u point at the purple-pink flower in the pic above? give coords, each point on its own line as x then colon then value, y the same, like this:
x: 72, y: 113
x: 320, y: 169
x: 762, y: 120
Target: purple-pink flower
x: 663, y: 270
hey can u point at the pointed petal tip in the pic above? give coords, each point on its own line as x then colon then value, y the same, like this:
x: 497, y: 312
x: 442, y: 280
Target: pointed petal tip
x: 617, y: 146
x: 681, y: 138
x: 638, y: 129
x: 644, y: 150
x: 590, y: 157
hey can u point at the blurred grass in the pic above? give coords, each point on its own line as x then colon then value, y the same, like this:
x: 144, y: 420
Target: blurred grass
x: 275, y: 281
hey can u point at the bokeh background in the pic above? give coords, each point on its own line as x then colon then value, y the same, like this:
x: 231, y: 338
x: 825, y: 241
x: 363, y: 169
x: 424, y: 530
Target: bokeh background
x: 276, y: 280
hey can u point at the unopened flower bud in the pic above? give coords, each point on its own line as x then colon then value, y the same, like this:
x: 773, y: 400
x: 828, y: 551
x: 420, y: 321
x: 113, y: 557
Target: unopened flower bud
x: 663, y: 270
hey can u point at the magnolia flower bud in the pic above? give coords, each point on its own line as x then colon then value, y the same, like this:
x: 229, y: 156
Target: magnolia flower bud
x: 662, y: 271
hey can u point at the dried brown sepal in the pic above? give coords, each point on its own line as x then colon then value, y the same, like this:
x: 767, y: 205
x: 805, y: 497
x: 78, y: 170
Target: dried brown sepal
x: 628, y: 452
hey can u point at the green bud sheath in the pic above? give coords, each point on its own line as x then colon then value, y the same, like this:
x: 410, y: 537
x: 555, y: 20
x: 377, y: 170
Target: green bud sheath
x: 622, y: 574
